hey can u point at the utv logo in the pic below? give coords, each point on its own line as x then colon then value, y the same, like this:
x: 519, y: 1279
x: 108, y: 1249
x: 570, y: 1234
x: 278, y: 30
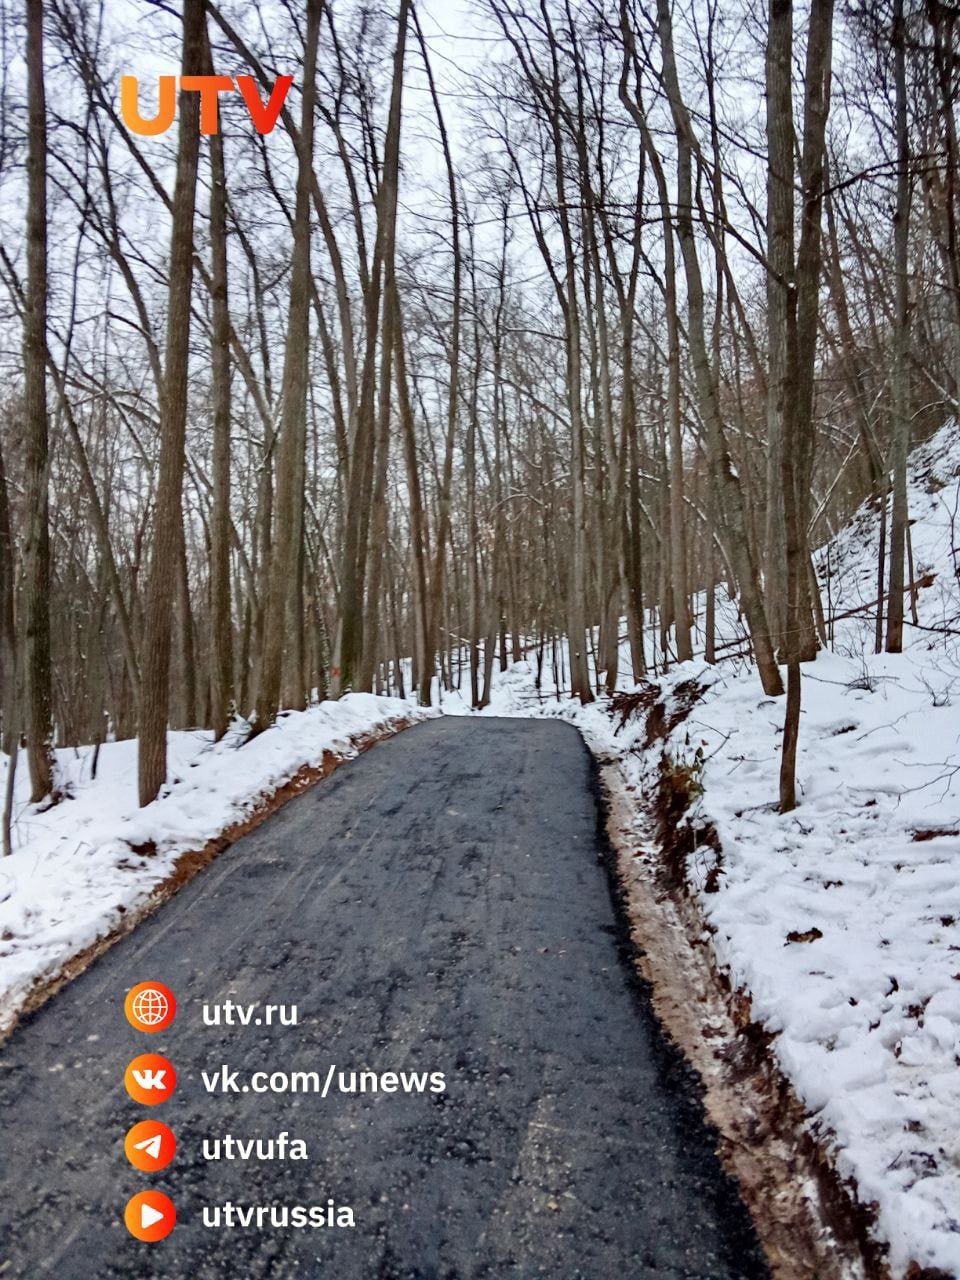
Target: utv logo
x: 263, y: 114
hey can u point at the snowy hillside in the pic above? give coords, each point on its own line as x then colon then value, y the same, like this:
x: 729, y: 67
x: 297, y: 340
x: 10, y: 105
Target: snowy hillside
x: 842, y: 919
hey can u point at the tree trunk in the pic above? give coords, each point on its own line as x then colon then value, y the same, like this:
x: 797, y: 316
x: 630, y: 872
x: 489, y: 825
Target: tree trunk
x: 423, y: 635
x: 188, y: 665
x: 577, y: 592
x: 8, y: 637
x: 221, y: 630
x: 35, y: 602
x: 288, y: 527
x: 781, y: 142
x: 900, y: 443
x: 802, y: 315
x: 729, y: 493
x: 349, y: 649
x: 453, y: 388
x: 168, y: 518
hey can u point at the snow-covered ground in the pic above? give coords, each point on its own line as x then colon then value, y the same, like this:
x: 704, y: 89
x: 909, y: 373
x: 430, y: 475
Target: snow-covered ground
x: 842, y: 919
x: 79, y: 867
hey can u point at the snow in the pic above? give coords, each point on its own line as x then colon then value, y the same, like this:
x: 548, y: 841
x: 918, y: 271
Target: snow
x: 75, y: 870
x: 866, y: 1016
x: 866, y: 1013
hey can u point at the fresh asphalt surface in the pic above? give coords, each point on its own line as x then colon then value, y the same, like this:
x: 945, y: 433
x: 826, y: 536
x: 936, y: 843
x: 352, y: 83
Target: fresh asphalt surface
x: 439, y: 903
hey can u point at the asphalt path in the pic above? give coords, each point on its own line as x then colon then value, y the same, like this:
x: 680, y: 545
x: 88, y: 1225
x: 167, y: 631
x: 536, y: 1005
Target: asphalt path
x: 440, y: 904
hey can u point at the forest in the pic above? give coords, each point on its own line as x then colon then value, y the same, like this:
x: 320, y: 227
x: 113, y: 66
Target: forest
x: 530, y: 324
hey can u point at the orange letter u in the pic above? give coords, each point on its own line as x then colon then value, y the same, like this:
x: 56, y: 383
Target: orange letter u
x: 130, y: 106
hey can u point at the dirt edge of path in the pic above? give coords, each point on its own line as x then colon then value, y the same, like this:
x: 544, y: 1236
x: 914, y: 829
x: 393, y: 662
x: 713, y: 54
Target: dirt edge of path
x: 807, y: 1219
x: 192, y: 862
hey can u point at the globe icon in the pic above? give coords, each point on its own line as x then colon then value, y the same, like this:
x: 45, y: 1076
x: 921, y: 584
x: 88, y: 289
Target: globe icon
x: 150, y: 1006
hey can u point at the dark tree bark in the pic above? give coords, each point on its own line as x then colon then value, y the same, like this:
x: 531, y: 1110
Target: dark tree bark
x: 802, y: 318
x: 168, y: 518
x: 423, y: 635
x: 577, y: 595
x: 288, y: 533
x: 221, y: 630
x: 348, y: 653
x: 900, y: 443
x: 453, y: 391
x: 8, y: 639
x: 35, y: 600
x: 781, y: 144
x: 730, y: 497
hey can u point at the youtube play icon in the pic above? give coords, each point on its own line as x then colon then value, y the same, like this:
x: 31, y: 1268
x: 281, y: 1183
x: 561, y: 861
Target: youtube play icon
x: 150, y: 1216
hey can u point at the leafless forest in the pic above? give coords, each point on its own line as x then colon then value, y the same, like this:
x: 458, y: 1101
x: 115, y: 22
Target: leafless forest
x: 461, y: 363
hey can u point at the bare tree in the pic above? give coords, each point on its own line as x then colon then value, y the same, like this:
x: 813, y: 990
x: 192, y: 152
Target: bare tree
x: 348, y: 652
x: 221, y: 629
x: 801, y: 311
x: 900, y: 441
x: 598, y: 380
x: 285, y: 563
x: 35, y: 602
x: 730, y: 495
x: 168, y: 519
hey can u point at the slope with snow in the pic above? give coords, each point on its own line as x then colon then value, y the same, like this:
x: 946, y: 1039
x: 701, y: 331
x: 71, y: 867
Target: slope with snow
x: 866, y: 1012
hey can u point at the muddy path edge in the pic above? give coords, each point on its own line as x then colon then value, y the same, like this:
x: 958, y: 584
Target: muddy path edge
x: 808, y: 1219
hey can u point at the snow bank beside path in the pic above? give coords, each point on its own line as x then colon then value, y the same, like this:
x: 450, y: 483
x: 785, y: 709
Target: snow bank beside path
x: 78, y: 867
x: 842, y: 919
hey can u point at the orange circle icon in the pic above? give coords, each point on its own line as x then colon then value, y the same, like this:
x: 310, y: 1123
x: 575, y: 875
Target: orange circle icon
x: 150, y: 1146
x: 150, y: 1216
x: 150, y: 1007
x: 150, y: 1078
